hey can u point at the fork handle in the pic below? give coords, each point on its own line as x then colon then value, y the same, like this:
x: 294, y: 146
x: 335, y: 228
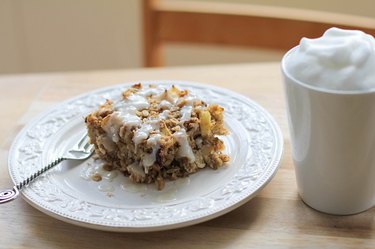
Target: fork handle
x: 11, y: 194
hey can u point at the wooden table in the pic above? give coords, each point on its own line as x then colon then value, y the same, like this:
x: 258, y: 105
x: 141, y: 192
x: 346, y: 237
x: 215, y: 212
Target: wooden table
x: 276, y: 218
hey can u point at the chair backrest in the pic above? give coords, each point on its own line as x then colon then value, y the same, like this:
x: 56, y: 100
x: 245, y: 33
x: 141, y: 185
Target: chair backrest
x: 235, y: 24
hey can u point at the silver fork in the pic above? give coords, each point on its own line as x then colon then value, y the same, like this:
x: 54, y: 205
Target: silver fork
x: 81, y: 150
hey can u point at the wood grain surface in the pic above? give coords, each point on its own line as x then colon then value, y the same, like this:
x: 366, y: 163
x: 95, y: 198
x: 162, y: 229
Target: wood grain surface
x: 276, y: 218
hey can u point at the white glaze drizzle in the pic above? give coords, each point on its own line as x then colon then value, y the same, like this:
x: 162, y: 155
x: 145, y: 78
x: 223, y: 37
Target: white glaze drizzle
x: 142, y: 133
x: 191, y: 99
x: 149, y: 159
x: 185, y: 148
x: 186, y: 113
x: 113, y: 125
x: 125, y: 114
x: 149, y: 91
x: 164, y: 104
x: 164, y: 114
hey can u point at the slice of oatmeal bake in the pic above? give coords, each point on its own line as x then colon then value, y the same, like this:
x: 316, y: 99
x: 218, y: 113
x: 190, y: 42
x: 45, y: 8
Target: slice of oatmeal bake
x: 154, y: 133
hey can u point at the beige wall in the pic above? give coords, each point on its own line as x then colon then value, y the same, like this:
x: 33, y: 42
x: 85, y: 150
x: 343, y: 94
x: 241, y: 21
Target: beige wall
x: 52, y: 35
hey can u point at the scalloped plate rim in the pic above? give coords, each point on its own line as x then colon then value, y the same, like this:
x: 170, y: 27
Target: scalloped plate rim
x: 156, y: 227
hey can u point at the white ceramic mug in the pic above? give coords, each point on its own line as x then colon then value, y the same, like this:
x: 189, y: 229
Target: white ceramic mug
x: 333, y: 145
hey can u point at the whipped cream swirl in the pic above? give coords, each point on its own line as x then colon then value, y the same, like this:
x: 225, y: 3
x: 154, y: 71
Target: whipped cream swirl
x: 342, y: 60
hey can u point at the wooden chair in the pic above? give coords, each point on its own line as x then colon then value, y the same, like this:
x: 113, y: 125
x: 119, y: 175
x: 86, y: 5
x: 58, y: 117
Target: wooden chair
x: 235, y: 24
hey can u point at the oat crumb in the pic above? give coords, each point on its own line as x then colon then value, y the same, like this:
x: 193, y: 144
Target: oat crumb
x: 96, y: 177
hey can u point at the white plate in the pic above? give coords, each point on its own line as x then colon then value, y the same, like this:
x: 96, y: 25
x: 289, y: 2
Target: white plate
x: 114, y: 204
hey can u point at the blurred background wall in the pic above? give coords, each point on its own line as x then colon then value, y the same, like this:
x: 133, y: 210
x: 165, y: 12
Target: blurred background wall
x: 52, y: 35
